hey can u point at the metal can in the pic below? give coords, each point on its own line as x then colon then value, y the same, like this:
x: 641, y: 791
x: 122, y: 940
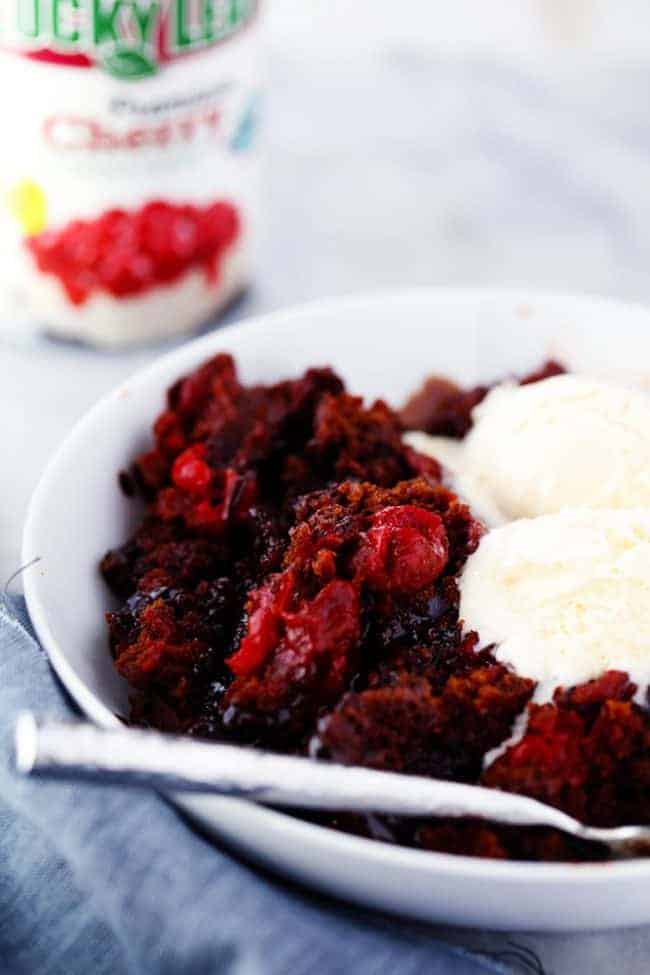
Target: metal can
x: 129, y: 166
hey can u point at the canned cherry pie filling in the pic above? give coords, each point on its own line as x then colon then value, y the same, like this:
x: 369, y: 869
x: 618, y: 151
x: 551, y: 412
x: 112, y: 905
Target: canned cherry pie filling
x: 129, y: 192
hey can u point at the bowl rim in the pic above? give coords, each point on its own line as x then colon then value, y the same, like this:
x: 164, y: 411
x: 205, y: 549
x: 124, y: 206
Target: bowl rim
x: 569, y: 874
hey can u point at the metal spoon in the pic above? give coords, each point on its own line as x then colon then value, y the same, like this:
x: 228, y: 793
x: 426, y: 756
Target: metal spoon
x: 133, y: 757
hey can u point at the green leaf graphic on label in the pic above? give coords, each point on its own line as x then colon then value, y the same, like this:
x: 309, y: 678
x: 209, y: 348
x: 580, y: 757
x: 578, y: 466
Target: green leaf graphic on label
x: 129, y: 65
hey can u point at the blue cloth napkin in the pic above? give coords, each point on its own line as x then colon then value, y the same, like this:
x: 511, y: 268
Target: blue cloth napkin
x: 98, y: 880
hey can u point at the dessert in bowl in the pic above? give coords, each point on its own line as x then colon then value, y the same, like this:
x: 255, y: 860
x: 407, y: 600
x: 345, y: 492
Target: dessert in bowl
x: 302, y: 575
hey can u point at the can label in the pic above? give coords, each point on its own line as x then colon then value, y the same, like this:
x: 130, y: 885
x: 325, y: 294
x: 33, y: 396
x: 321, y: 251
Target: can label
x: 128, y: 187
x: 130, y: 39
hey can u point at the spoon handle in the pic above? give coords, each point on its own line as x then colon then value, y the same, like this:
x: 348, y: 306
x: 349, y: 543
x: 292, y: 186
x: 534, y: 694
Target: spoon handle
x: 137, y: 758
x: 134, y: 757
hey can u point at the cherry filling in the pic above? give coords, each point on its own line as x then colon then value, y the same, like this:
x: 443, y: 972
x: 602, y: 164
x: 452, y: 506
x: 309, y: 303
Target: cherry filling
x: 127, y: 253
x: 266, y: 609
x: 328, y: 624
x: 404, y: 551
x: 190, y: 472
x: 205, y: 498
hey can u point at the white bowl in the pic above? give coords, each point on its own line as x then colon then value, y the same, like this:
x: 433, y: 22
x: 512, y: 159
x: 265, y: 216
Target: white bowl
x: 383, y: 346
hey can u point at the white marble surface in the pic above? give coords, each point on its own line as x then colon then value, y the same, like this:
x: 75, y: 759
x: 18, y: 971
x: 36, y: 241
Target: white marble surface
x: 398, y: 155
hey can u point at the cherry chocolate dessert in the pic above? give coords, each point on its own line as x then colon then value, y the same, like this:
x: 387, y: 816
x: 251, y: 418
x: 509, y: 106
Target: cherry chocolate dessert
x: 299, y: 583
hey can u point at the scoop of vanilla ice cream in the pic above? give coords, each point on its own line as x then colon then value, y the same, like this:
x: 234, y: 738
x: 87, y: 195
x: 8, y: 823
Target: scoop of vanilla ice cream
x: 564, y: 597
x: 564, y: 442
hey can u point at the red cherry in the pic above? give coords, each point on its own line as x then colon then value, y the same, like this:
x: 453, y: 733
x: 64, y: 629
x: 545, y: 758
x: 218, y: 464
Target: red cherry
x: 155, y: 229
x: 184, y: 233
x: 219, y: 225
x: 327, y: 624
x: 78, y: 285
x: 404, y: 550
x: 266, y: 607
x: 190, y: 472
